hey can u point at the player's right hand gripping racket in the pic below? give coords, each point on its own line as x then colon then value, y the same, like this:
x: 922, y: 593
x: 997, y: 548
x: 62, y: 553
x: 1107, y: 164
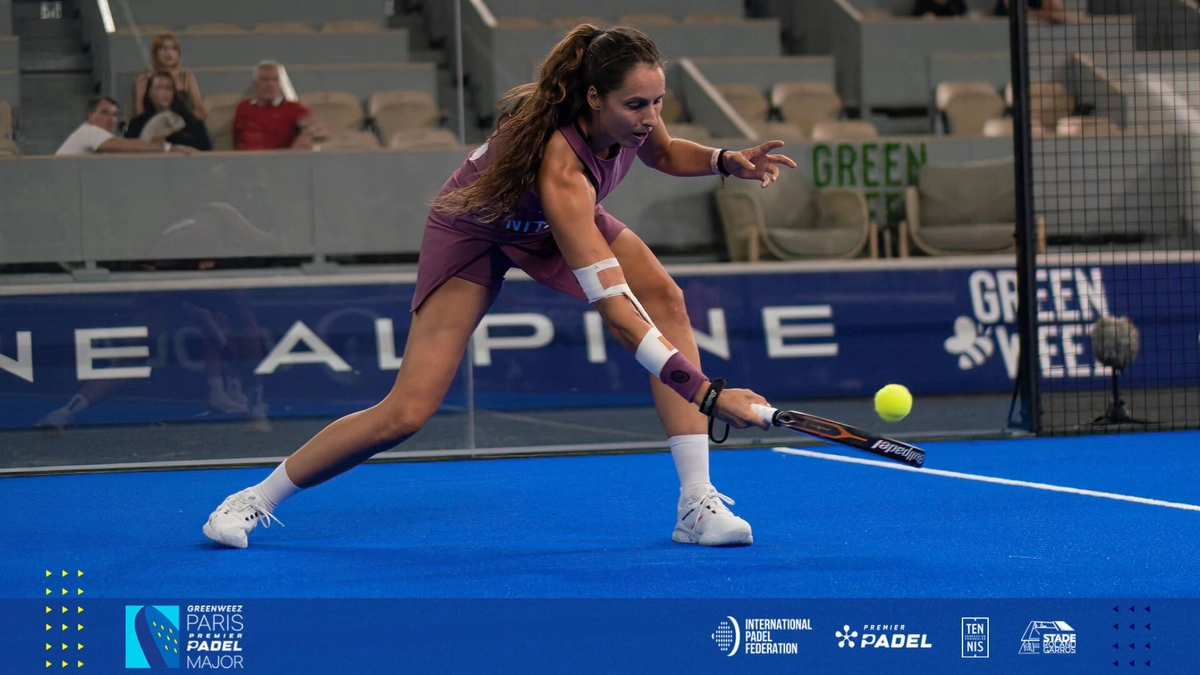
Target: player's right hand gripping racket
x: 828, y: 430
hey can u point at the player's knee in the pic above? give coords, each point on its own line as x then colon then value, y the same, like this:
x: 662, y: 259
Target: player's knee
x: 399, y: 421
x: 665, y: 303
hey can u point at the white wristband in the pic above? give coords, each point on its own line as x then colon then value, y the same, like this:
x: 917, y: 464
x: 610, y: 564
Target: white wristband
x: 712, y: 162
x: 166, y: 146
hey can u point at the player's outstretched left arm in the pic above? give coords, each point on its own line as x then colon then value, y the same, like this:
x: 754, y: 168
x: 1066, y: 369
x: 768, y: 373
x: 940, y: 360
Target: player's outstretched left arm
x: 679, y: 157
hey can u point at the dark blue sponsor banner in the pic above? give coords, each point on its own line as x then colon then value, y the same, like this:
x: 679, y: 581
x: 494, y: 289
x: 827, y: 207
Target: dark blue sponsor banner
x: 329, y: 349
x: 602, y: 635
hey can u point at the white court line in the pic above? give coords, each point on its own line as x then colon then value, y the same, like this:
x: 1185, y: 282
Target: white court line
x: 991, y: 479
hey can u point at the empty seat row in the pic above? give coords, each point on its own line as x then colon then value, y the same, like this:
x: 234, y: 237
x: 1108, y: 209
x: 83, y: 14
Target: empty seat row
x: 390, y: 112
x: 637, y: 20
x: 801, y: 104
x: 966, y: 107
x: 271, y: 27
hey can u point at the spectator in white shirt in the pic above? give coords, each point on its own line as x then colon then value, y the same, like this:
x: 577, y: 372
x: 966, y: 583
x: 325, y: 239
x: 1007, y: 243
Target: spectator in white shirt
x: 98, y: 134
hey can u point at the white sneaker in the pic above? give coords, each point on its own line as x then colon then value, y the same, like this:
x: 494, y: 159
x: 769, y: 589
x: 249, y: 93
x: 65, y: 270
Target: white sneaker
x: 236, y: 516
x: 704, y: 519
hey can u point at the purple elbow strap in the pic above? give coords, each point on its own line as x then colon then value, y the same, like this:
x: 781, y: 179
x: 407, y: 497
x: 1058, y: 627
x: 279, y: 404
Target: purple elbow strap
x: 680, y: 375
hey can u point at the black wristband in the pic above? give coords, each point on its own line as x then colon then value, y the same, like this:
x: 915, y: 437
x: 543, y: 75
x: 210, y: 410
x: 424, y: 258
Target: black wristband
x: 721, y: 162
x: 709, y: 403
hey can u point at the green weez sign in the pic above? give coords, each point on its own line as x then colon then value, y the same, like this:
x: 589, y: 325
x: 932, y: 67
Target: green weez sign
x: 880, y: 170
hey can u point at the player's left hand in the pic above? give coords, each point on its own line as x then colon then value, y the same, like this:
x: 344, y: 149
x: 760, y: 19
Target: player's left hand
x: 757, y: 163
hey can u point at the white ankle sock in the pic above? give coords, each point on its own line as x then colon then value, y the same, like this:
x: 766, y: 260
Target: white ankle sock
x: 690, y: 453
x: 277, y: 487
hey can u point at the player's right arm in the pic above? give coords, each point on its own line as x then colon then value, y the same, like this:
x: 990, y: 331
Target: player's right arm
x: 569, y: 202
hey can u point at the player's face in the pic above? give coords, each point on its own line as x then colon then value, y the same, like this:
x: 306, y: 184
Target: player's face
x: 628, y: 113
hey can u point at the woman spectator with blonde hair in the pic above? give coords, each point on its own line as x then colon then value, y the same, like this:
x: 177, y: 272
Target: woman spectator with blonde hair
x: 165, y: 55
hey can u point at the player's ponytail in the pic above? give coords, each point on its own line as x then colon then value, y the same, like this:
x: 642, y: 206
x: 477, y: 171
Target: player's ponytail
x: 530, y: 113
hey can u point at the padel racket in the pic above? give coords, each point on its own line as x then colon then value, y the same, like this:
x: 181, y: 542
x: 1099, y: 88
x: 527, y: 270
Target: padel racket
x: 828, y: 430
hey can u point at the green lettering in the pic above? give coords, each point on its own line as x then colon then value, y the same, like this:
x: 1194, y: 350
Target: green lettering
x: 890, y: 163
x: 872, y: 199
x: 915, y: 161
x: 822, y: 161
x: 869, y: 164
x: 847, y: 158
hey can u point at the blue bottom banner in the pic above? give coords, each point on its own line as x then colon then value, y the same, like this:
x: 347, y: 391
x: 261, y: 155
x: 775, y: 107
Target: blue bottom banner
x: 603, y: 635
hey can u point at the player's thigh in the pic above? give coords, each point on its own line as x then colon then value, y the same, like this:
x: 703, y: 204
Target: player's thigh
x: 437, y: 338
x: 646, y: 276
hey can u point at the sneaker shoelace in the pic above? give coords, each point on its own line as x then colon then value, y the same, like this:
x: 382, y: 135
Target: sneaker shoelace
x: 239, y: 505
x: 717, y: 501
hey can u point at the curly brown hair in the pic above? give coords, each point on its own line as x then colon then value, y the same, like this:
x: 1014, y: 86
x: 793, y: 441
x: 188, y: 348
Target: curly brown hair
x: 530, y: 114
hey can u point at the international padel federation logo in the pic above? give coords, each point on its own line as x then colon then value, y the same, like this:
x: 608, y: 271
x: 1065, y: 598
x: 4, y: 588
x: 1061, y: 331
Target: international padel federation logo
x: 846, y: 637
x: 151, y: 636
x: 727, y: 636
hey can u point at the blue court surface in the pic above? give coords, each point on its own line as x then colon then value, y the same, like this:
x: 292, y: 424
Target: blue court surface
x: 1048, y: 522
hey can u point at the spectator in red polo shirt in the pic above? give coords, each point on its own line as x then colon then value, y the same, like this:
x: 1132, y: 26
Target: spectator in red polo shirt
x: 269, y: 121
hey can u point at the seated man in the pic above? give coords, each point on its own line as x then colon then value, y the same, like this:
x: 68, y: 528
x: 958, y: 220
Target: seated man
x: 940, y: 8
x: 269, y: 121
x: 98, y: 134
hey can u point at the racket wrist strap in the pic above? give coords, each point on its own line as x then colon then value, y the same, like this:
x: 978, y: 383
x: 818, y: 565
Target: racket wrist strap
x: 708, y: 404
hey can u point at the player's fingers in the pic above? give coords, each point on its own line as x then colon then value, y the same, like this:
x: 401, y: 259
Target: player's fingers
x: 782, y: 159
x: 769, y: 146
x: 744, y: 161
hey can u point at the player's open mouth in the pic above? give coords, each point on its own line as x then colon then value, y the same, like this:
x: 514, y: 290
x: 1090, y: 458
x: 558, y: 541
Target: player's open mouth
x: 641, y: 135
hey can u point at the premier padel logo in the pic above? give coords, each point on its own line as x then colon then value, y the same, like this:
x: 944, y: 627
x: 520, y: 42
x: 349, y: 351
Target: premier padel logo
x: 728, y: 636
x: 882, y: 636
x: 1048, y: 637
x: 151, y: 636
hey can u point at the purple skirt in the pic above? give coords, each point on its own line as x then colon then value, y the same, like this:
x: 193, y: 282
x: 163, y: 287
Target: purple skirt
x: 482, y: 254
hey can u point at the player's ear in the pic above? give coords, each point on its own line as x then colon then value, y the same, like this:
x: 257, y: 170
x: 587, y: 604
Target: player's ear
x: 593, y: 99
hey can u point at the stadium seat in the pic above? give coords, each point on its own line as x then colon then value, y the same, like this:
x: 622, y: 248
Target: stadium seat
x: 804, y: 103
x: 645, y: 19
x: 214, y: 28
x: 221, y: 108
x: 966, y: 106
x: 832, y: 130
x: 573, y: 21
x: 423, y: 139
x: 349, y: 140
x: 793, y: 220
x: 399, y: 110
x: 747, y: 99
x: 6, y: 120
x: 9, y: 149
x: 690, y: 132
x: 518, y: 22
x: 282, y: 27
x: 959, y: 209
x: 711, y: 17
x: 1048, y: 103
x: 998, y: 126
x: 337, y: 110
x: 351, y: 26
x: 672, y: 109
x: 1079, y: 126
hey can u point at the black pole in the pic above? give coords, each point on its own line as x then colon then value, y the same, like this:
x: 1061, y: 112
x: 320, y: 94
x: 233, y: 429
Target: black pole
x: 1027, y: 240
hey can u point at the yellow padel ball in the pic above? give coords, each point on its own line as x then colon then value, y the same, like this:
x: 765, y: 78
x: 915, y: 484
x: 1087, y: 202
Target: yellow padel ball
x: 893, y: 402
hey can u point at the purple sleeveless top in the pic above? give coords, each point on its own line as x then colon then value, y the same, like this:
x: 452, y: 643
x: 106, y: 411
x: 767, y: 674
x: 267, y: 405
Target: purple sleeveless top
x: 464, y: 247
x: 529, y: 218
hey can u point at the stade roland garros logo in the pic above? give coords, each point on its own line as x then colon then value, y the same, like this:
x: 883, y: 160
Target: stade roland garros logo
x: 759, y: 637
x: 1069, y: 301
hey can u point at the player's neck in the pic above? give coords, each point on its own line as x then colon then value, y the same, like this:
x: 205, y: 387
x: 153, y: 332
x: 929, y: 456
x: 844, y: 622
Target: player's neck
x: 600, y: 145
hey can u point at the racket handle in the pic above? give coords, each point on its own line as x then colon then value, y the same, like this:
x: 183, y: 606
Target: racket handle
x: 765, y: 413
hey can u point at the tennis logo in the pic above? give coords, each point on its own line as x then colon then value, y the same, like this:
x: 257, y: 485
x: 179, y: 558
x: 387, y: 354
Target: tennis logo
x: 151, y: 636
x: 1048, y: 637
x: 976, y: 637
x: 727, y: 636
